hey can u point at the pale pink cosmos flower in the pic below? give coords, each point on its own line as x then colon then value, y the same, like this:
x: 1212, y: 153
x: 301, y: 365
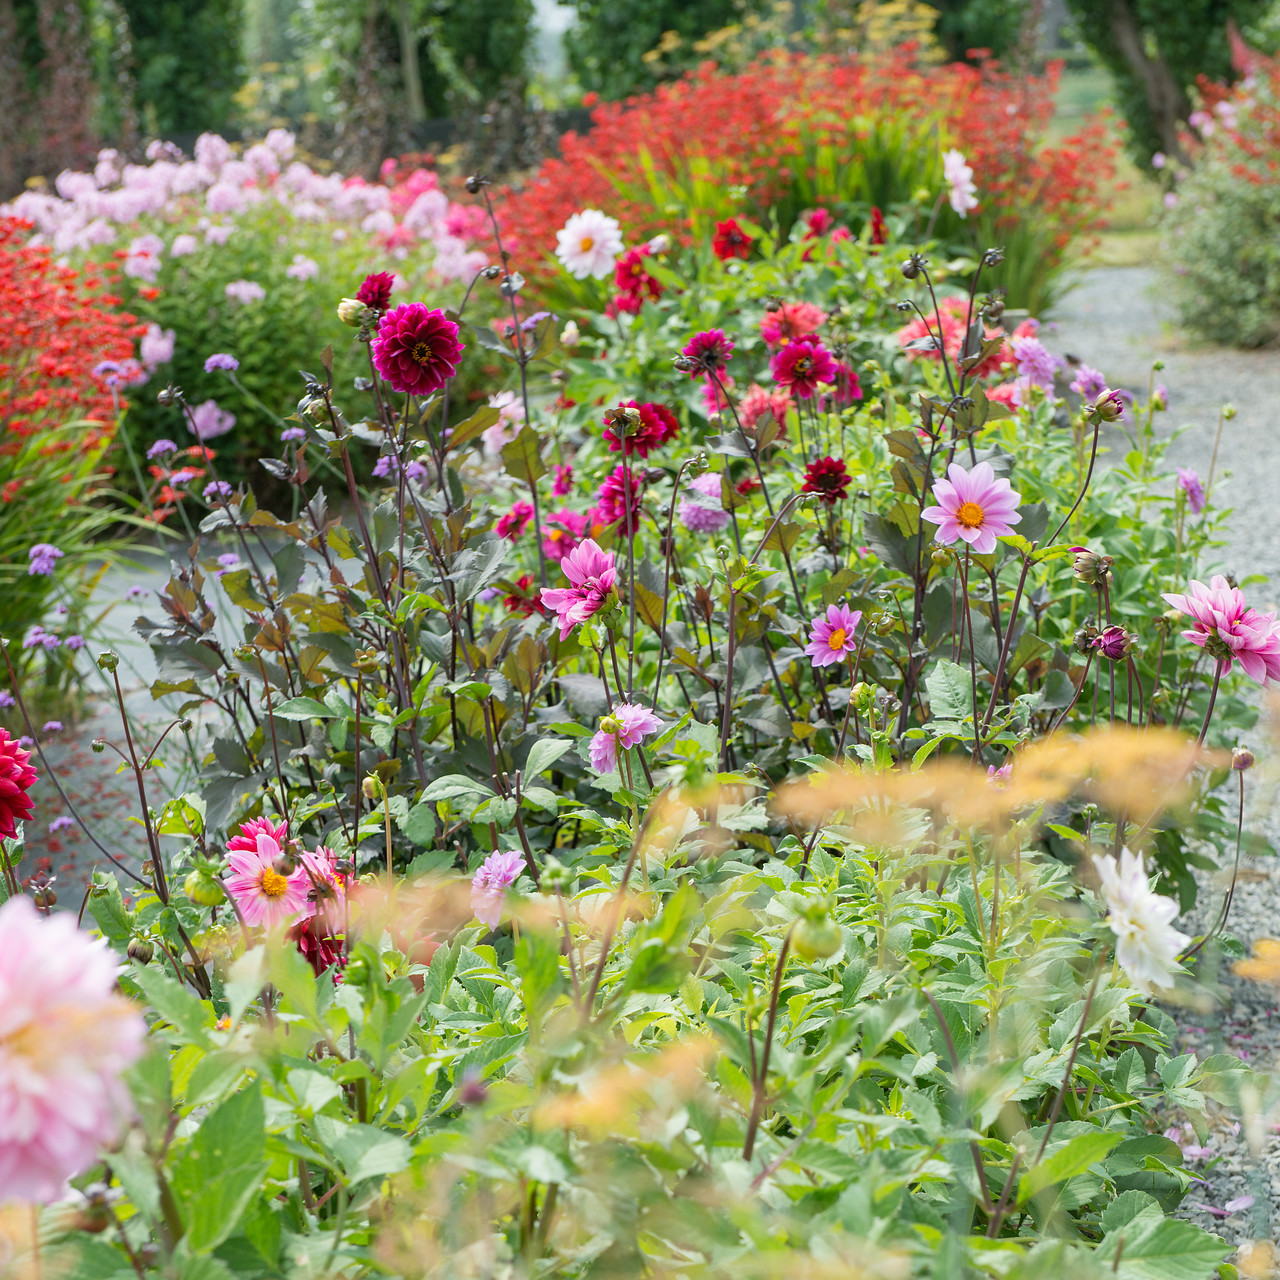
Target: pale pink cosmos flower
x: 833, y: 637
x: 65, y: 1039
x: 1227, y: 629
x: 973, y: 506
x: 963, y: 195
x: 628, y: 725
x: 264, y: 896
x: 490, y: 883
x: 592, y: 572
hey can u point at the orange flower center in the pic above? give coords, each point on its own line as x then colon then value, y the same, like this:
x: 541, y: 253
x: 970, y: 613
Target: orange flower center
x: 422, y: 352
x: 969, y: 515
x: 836, y: 640
x: 804, y: 365
x: 272, y: 883
x: 586, y: 244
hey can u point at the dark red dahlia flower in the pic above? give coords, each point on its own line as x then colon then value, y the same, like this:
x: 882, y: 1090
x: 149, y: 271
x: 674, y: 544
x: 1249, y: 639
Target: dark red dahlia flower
x: 416, y: 349
x: 829, y: 478
x: 634, y: 282
x: 17, y: 777
x: 657, y: 425
x: 376, y: 290
x: 879, y: 231
x: 731, y: 241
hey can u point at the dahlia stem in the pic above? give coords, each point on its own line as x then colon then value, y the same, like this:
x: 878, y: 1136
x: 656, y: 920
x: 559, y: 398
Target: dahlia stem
x: 973, y: 658
x: 1213, y: 697
x: 762, y: 1076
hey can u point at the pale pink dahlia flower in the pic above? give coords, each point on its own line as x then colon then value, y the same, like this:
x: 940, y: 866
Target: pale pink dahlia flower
x: 833, y: 636
x: 591, y: 571
x: 263, y: 895
x: 65, y: 1039
x: 628, y: 725
x: 490, y: 883
x: 973, y: 506
x: 1227, y: 629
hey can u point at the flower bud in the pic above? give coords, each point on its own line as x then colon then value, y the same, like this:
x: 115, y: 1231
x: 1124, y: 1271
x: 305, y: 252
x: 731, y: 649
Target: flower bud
x: 167, y: 396
x: 1091, y: 568
x: 1113, y: 643
x: 556, y: 877
x: 371, y: 787
x: 475, y: 182
x: 203, y: 888
x: 108, y: 661
x: 863, y: 696
x: 1228, y: 412
x: 1109, y: 406
x: 570, y: 335
x: 611, y: 724
x: 913, y: 266
x: 366, y: 661
x: 97, y: 746
x: 1084, y: 638
x: 472, y: 1091
x: 141, y: 950
x: 353, y: 312
x: 44, y: 898
x: 1241, y: 758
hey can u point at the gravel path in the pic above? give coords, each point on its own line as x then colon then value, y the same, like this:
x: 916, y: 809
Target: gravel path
x: 1115, y: 321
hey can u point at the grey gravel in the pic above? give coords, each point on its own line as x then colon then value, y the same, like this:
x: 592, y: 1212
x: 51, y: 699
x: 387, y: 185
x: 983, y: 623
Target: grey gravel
x: 1116, y: 321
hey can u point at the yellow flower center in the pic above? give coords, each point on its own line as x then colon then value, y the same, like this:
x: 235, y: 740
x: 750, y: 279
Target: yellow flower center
x: 836, y: 640
x: 272, y: 883
x: 422, y: 352
x: 586, y: 244
x: 969, y: 515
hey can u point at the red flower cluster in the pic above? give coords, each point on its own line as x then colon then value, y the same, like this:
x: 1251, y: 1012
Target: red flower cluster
x: 772, y: 129
x: 635, y: 284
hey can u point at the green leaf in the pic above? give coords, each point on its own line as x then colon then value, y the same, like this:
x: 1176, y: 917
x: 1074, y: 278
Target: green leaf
x: 476, y: 425
x: 950, y: 689
x: 304, y: 709
x: 366, y: 1152
x: 419, y: 823
x: 521, y: 457
x: 543, y: 754
x: 1162, y: 1249
x: 453, y: 785
x: 221, y: 1168
x: 1075, y: 1157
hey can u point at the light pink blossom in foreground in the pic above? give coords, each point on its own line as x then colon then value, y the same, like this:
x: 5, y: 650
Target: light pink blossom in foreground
x: 973, y: 506
x: 628, y: 725
x: 264, y: 896
x: 1147, y: 944
x: 833, y: 637
x: 489, y: 885
x: 1227, y: 629
x: 65, y: 1039
x: 591, y: 571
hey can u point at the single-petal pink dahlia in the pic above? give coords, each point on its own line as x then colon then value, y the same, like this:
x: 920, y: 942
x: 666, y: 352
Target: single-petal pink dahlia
x: 802, y: 364
x: 416, y: 349
x: 591, y: 571
x: 265, y: 896
x: 974, y: 506
x: 65, y: 1039
x: 628, y: 725
x: 489, y: 885
x: 17, y: 777
x: 833, y: 637
x: 1227, y: 629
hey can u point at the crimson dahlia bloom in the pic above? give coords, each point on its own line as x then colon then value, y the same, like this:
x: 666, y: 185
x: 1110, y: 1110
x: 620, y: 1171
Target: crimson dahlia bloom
x: 710, y: 351
x: 618, y: 492
x: 416, y: 349
x: 17, y: 777
x: 829, y: 478
x: 801, y: 365
x: 514, y: 523
x: 657, y: 425
x: 635, y: 284
x: 375, y: 292
x: 731, y: 241
x: 1227, y: 629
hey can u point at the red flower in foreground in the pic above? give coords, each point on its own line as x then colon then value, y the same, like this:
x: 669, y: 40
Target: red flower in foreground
x: 731, y: 241
x: 829, y: 478
x: 416, y: 349
x: 375, y: 292
x: 657, y: 425
x: 802, y: 364
x: 17, y: 777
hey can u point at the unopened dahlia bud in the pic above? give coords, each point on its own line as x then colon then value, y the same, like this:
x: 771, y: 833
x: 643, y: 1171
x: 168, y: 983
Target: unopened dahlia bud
x: 1109, y: 406
x: 1228, y: 411
x: 353, y: 312
x: 108, y: 661
x: 475, y: 182
x: 1091, y: 568
x: 141, y: 950
x: 913, y: 266
x: 1085, y: 637
x: 371, y: 787
x: 1113, y: 643
x: 1241, y: 758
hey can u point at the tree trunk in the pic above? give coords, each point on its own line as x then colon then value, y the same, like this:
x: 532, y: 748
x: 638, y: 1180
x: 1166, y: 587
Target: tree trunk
x: 410, y: 72
x: 1166, y: 98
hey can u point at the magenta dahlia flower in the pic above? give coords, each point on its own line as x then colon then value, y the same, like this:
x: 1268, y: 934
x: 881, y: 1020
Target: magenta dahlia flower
x: 618, y: 490
x: 1227, y: 629
x: 802, y: 364
x: 562, y: 532
x: 489, y: 885
x: 593, y: 574
x: 514, y: 523
x: 17, y: 777
x: 375, y: 292
x: 247, y: 840
x: 831, y: 637
x: 710, y: 352
x: 264, y: 895
x: 416, y: 349
x: 628, y: 725
x: 66, y: 1038
x: 973, y: 506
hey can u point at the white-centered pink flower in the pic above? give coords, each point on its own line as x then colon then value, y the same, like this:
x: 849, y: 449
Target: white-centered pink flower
x: 1227, y: 629
x: 959, y: 177
x: 489, y: 885
x: 263, y: 893
x: 1147, y: 944
x: 628, y: 725
x: 973, y: 506
x: 65, y: 1039
x: 588, y: 244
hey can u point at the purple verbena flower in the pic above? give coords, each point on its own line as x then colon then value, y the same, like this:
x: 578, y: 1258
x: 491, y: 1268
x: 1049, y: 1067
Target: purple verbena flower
x: 43, y: 556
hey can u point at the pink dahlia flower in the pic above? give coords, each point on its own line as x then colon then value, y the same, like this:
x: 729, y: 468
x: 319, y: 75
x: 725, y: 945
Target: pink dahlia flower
x: 375, y: 292
x: 514, y: 523
x: 802, y: 364
x: 17, y: 777
x: 247, y: 840
x: 562, y: 532
x: 1190, y: 484
x: 973, y: 506
x: 833, y: 637
x: 612, y: 500
x: 790, y: 321
x: 416, y: 349
x: 489, y: 885
x: 1227, y: 629
x: 264, y: 896
x: 592, y: 573
x: 757, y: 402
x: 628, y: 725
x: 65, y: 1039
x: 710, y: 352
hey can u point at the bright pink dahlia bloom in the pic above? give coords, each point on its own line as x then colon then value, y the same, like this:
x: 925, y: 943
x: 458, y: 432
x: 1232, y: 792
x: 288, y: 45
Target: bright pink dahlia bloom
x: 802, y: 364
x: 1226, y: 628
x: 790, y: 321
x: 562, y: 532
x: 627, y: 726
x: 973, y: 506
x: 710, y: 352
x: 592, y: 573
x: 263, y: 895
x: 17, y: 777
x: 416, y: 349
x: 489, y: 885
x: 65, y: 1039
x: 247, y: 840
x: 621, y: 485
x: 833, y: 637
